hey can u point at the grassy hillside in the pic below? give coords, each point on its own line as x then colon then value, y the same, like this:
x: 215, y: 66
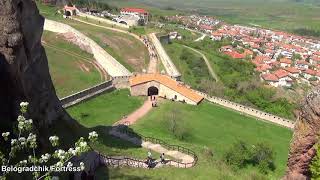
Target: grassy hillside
x: 71, y: 68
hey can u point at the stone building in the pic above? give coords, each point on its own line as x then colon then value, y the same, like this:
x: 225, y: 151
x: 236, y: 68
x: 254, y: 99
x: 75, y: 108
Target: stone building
x: 163, y: 86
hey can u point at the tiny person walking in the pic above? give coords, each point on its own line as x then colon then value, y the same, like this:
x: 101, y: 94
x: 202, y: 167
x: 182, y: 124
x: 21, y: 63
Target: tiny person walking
x: 162, y: 158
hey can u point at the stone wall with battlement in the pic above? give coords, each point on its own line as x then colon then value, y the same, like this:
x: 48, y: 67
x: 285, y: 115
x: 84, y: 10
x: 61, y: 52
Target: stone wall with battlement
x: 250, y: 111
x: 110, y: 64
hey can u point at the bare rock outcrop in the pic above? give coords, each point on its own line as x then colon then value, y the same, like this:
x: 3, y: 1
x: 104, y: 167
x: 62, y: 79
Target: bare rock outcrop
x: 24, y: 72
x: 306, y: 133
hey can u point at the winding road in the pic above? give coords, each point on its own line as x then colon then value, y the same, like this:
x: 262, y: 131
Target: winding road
x: 213, y: 74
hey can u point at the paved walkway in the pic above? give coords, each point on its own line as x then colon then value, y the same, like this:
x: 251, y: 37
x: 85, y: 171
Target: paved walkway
x: 135, y: 116
x: 213, y: 74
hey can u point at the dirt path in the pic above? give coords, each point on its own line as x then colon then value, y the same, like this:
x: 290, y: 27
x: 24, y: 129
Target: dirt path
x: 213, y: 74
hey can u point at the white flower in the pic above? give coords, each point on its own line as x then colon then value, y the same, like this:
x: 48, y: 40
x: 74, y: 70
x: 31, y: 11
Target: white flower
x: 82, y: 166
x: 24, y: 162
x: 22, y: 140
x: 21, y: 118
x: 72, y: 151
x: 59, y: 164
x: 13, y: 142
x: 69, y: 164
x: 93, y: 136
x: 24, y: 104
x: 5, y: 136
x: 54, y: 140
x: 45, y: 157
x: 83, y: 144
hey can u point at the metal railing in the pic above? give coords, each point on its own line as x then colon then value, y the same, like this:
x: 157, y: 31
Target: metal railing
x: 167, y: 146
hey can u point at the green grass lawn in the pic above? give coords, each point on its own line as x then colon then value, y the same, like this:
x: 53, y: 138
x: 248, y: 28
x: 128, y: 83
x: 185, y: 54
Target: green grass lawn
x: 100, y: 113
x: 105, y: 109
x: 214, y: 127
x: 193, y: 70
x: 70, y: 67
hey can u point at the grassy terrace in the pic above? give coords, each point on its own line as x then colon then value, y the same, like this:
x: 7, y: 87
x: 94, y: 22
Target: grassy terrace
x: 71, y: 68
x: 214, y: 127
x: 129, y: 51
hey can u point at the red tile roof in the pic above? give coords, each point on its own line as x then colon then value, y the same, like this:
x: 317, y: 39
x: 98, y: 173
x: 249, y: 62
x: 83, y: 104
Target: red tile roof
x: 292, y: 70
x: 166, y: 81
x: 302, y: 62
x: 134, y: 10
x: 235, y: 55
x: 281, y: 73
x: 270, y: 77
x: 263, y: 68
x: 311, y: 72
x: 285, y: 61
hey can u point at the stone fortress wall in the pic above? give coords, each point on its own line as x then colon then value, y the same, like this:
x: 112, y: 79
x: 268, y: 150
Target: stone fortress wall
x: 250, y: 111
x: 165, y: 59
x: 110, y: 64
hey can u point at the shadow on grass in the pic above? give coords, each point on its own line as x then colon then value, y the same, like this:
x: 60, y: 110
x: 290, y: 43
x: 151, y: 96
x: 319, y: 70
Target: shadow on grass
x: 70, y: 131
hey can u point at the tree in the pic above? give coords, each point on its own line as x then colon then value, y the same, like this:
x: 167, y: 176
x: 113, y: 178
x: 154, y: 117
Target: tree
x: 176, y: 124
x: 26, y: 143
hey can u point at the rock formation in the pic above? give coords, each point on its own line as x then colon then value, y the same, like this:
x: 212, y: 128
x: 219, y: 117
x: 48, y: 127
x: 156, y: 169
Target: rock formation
x: 24, y: 73
x: 305, y: 136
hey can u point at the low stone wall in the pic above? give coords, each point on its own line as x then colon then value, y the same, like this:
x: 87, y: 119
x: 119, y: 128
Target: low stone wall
x: 121, y: 82
x: 250, y: 111
x: 111, y: 65
x: 86, y: 94
x: 165, y: 59
x: 103, y: 20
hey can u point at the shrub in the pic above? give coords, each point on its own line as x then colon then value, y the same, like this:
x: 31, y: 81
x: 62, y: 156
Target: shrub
x: 260, y: 155
x: 237, y: 155
x: 315, y: 165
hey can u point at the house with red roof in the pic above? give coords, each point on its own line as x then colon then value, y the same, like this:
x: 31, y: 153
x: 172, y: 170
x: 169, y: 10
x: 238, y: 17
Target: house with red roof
x: 302, y: 65
x: 284, y: 78
x: 315, y: 60
x: 235, y: 55
x: 285, y: 62
x: 309, y: 73
x: 263, y: 69
x: 293, y: 71
x: 271, y: 79
x: 318, y: 75
x: 70, y: 10
x: 142, y: 13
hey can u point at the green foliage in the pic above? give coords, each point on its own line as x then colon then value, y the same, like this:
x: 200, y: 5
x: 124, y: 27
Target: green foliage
x: 315, y: 165
x: 241, y: 154
x: 237, y: 155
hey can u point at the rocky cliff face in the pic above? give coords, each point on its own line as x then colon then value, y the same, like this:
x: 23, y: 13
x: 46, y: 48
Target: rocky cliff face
x: 306, y: 134
x: 24, y: 73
